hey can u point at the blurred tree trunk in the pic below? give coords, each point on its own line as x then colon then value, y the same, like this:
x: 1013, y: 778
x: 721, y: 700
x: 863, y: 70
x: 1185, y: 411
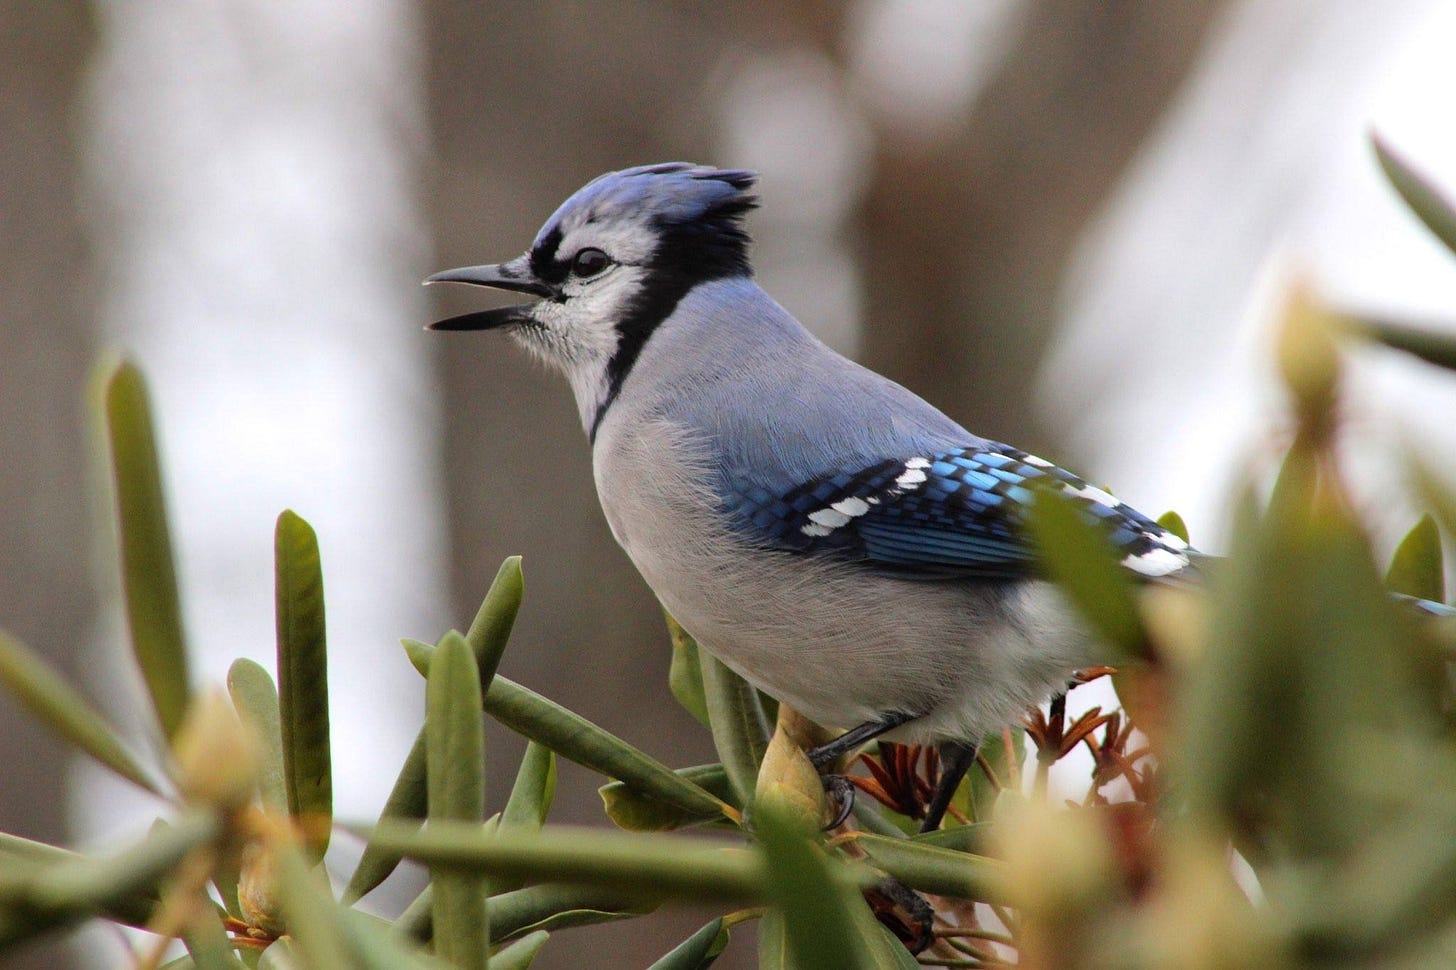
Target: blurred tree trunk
x: 965, y: 238
x: 47, y: 282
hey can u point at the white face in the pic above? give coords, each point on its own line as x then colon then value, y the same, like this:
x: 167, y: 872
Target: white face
x: 578, y: 333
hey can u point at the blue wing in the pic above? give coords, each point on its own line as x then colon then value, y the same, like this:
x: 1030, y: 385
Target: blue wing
x: 958, y: 513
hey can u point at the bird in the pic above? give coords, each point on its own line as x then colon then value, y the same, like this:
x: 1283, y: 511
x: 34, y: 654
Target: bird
x: 826, y: 533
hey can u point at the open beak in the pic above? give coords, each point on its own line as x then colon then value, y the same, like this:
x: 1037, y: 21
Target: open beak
x: 515, y: 276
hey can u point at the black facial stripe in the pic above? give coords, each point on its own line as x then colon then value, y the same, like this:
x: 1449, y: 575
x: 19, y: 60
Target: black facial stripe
x: 715, y: 247
x: 543, y: 258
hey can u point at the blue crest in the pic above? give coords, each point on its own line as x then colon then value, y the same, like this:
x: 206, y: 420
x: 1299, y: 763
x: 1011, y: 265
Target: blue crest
x: 671, y: 194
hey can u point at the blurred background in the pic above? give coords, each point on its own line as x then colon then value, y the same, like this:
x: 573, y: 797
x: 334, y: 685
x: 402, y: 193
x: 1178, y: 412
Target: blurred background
x: 1065, y: 222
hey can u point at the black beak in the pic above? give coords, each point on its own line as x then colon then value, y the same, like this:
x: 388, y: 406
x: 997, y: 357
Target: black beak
x: 515, y: 276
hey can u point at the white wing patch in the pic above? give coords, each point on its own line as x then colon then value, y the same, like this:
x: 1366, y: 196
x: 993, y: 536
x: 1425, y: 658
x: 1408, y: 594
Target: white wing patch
x: 1156, y: 562
x: 1094, y: 494
x: 841, y: 513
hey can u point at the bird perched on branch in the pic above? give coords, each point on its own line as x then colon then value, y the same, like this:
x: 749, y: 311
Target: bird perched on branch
x: 827, y: 534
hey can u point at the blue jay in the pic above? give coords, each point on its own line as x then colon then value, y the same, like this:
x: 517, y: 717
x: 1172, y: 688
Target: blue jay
x: 827, y: 534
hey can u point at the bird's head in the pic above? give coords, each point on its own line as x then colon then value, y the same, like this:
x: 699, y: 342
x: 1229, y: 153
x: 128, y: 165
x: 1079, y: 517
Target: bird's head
x: 611, y: 264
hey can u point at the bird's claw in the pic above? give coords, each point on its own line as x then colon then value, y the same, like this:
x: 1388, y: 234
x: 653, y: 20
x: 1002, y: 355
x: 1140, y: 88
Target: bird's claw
x: 841, y: 795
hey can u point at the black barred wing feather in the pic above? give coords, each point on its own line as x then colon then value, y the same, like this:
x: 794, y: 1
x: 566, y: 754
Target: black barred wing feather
x: 949, y: 514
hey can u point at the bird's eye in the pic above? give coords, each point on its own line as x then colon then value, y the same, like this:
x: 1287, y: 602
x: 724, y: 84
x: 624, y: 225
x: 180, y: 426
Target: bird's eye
x: 590, y: 262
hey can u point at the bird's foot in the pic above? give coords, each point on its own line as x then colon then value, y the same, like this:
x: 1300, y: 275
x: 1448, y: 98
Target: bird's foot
x: 903, y: 912
x: 840, y: 791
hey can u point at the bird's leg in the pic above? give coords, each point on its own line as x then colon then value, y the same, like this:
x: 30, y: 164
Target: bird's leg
x: 956, y: 759
x: 837, y: 786
x: 854, y: 737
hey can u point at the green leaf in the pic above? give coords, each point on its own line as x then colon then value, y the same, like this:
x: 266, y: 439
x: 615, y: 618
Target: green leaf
x: 685, y: 676
x: 40, y: 898
x: 418, y: 652
x: 647, y: 865
x: 773, y: 942
x: 636, y: 812
x: 533, y: 791
x: 819, y: 929
x: 1424, y: 199
x: 256, y: 700
x: 1417, y: 568
x: 982, y: 792
x: 973, y: 839
x: 312, y: 916
x: 455, y: 746
x: 407, y: 800
x: 521, y: 954
x: 207, y: 940
x: 740, y: 731
x: 303, y: 683
x: 148, y: 573
x: 18, y: 855
x: 490, y: 631
x: 1082, y: 562
x: 1433, y: 347
x: 1174, y: 523
x: 62, y: 708
x: 577, y: 739
x: 280, y: 955
x: 488, y: 635
x: 374, y: 947
x: 554, y: 906
x: 942, y: 871
x: 697, y: 952
x: 551, y: 906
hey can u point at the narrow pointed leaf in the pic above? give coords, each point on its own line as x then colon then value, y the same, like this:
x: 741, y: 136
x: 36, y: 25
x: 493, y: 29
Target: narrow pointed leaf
x: 47, y: 696
x: 148, y: 572
x: 373, y: 946
x: 1433, y: 207
x: 773, y: 942
x: 256, y: 700
x: 407, y: 800
x: 550, y: 906
x: 520, y: 954
x: 1174, y: 523
x: 1417, y: 568
x: 303, y: 684
x: 682, y: 867
x: 1081, y: 561
x: 685, y: 675
x: 974, y: 838
x: 1432, y: 346
x: 820, y: 932
x: 207, y: 942
x: 697, y: 952
x: 577, y: 739
x: 554, y: 906
x: 938, y: 870
x: 490, y: 631
x: 533, y: 791
x: 19, y: 855
x: 455, y: 746
x: 418, y: 652
x: 740, y: 731
x: 636, y: 812
x: 39, y: 899
x: 980, y: 788
x: 313, y: 917
x: 488, y: 635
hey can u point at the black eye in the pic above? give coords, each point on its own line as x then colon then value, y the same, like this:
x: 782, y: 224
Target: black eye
x: 590, y: 262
